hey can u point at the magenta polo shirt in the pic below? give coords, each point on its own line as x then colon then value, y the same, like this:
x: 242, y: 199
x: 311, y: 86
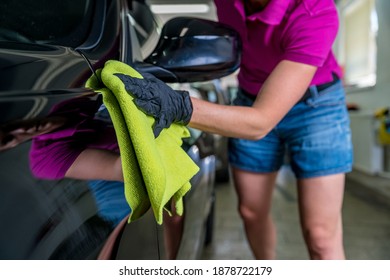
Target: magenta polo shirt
x: 296, y: 30
x: 52, y: 154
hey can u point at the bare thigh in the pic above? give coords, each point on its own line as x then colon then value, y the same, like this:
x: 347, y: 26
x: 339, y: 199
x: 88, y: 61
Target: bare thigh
x: 254, y: 190
x: 320, y: 201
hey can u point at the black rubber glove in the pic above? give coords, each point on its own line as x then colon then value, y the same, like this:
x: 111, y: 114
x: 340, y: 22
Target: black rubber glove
x: 157, y: 99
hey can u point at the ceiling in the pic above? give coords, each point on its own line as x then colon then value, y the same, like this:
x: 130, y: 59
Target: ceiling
x: 205, y: 8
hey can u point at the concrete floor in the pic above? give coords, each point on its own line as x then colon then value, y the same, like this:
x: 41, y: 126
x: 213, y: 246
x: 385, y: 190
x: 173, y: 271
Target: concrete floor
x: 366, y: 224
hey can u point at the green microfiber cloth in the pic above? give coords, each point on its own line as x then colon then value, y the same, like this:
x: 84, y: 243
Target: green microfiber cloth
x: 155, y: 170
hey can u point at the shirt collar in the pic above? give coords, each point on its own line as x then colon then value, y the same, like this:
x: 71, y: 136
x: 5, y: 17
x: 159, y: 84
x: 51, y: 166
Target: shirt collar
x: 272, y: 14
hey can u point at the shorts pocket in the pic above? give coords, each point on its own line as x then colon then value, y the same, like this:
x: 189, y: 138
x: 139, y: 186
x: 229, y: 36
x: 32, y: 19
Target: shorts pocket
x: 332, y: 96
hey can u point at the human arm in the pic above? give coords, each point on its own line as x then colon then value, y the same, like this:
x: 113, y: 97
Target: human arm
x: 281, y: 91
x: 86, y: 149
x: 96, y: 164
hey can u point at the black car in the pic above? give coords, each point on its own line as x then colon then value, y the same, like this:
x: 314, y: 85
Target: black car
x: 48, y: 50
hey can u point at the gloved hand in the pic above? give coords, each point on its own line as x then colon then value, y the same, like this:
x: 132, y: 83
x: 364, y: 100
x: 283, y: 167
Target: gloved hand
x: 157, y: 99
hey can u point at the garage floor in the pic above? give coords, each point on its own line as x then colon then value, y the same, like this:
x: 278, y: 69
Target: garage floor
x: 366, y: 225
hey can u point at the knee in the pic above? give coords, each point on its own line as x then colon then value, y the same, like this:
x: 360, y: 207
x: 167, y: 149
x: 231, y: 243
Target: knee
x: 251, y: 214
x: 321, y: 241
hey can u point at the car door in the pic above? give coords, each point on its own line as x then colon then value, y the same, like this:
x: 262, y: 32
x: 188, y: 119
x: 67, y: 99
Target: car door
x: 43, y: 67
x: 48, y: 49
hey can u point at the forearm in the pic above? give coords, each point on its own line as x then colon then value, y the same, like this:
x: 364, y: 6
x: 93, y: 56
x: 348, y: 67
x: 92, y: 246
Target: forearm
x: 94, y: 164
x: 282, y: 90
x: 230, y: 121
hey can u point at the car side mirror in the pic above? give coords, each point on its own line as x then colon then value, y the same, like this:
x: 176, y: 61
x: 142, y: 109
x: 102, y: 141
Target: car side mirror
x: 193, y: 50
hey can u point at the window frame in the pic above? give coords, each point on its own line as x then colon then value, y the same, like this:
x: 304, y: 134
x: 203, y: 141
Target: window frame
x: 356, y: 50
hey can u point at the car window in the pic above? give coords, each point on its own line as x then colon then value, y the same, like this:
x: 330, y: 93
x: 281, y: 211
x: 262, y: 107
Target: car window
x: 62, y: 22
x: 144, y: 20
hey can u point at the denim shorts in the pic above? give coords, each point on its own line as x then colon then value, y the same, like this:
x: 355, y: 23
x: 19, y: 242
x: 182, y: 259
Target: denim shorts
x: 314, y: 138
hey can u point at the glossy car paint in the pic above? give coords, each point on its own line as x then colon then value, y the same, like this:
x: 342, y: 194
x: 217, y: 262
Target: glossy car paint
x: 59, y: 219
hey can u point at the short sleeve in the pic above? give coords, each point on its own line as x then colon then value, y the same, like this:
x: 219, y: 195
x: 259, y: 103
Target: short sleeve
x: 52, y: 153
x: 51, y: 159
x: 309, y: 36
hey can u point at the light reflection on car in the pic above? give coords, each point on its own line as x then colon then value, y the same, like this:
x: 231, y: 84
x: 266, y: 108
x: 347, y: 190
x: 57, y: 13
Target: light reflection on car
x: 46, y: 64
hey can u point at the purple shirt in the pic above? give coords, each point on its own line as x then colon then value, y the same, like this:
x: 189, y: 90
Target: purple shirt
x: 296, y: 30
x: 53, y: 153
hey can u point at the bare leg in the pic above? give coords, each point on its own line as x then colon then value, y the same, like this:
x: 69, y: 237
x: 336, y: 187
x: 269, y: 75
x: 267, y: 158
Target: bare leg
x: 173, y: 231
x: 255, y: 196
x: 320, y: 205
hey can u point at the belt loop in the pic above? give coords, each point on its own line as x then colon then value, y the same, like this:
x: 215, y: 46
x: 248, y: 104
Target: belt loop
x: 313, y: 94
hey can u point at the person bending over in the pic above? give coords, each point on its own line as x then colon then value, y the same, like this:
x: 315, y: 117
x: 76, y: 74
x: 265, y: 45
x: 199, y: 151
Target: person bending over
x: 290, y: 100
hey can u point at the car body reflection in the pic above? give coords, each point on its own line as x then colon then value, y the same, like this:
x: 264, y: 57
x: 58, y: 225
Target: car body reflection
x: 46, y: 108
